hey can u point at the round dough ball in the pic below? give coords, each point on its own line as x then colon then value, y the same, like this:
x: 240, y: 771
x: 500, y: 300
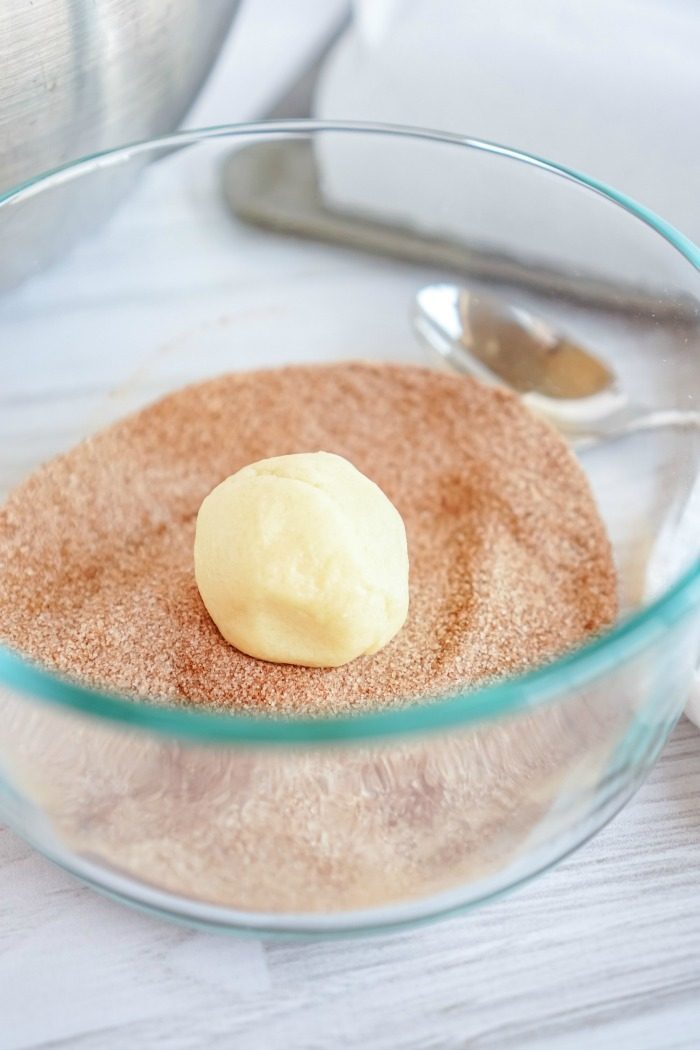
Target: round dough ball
x: 302, y: 559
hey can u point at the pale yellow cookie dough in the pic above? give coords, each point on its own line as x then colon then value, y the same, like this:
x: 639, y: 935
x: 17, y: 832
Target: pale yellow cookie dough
x: 302, y: 559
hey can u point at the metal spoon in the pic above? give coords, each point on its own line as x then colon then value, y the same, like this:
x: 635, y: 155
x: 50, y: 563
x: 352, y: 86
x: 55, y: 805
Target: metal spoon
x: 510, y: 347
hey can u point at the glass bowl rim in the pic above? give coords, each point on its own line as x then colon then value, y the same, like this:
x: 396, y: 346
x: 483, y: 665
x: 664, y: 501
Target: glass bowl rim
x: 507, y: 697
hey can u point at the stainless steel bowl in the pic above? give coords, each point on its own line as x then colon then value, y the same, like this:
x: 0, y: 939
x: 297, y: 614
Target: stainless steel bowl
x: 77, y: 77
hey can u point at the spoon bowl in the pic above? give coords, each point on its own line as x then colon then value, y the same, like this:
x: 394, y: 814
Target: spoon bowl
x: 558, y: 378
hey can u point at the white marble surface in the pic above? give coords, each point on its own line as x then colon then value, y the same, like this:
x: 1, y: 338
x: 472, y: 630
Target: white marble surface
x: 600, y: 952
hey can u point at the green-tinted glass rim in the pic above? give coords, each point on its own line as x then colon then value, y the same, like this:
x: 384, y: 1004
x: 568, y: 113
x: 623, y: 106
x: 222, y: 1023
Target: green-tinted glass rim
x: 484, y: 704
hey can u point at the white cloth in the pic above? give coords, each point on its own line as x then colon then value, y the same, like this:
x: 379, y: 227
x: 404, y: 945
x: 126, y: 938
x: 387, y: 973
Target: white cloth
x: 608, y: 87
x: 675, y: 548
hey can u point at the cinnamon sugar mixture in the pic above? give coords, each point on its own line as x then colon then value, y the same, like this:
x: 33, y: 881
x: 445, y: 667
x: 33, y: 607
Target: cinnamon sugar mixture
x: 510, y: 563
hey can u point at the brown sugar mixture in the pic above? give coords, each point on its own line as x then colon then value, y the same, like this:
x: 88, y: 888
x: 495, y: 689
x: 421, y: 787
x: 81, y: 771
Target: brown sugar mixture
x: 509, y: 561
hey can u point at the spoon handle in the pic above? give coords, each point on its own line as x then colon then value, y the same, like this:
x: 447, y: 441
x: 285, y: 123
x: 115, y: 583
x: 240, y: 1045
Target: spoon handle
x: 635, y: 419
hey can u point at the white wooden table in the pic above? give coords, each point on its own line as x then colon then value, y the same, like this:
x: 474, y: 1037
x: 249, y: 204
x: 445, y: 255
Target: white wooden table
x: 602, y: 952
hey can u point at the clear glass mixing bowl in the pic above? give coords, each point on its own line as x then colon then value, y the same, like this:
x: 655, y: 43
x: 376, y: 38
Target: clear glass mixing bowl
x: 366, y: 822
